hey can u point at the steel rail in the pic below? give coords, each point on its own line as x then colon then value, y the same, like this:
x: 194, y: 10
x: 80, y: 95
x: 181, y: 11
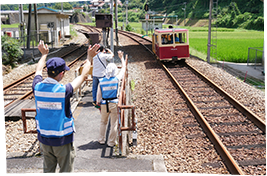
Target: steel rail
x: 30, y: 92
x: 127, y: 34
x: 224, y: 153
x: 248, y: 113
x: 17, y: 82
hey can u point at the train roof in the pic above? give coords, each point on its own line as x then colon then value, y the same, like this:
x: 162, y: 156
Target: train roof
x: 171, y: 30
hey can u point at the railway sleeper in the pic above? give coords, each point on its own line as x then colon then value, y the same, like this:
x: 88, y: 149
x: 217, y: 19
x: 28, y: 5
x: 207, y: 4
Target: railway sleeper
x: 247, y: 146
x: 217, y: 124
x: 254, y: 162
x: 240, y: 133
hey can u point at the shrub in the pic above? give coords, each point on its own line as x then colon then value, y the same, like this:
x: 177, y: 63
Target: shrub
x: 11, y: 51
x: 129, y: 28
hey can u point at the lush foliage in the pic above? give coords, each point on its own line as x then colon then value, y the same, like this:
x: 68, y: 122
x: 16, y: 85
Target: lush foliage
x: 66, y: 6
x: 231, y: 17
x: 247, y: 14
x: 11, y: 51
x: 128, y: 28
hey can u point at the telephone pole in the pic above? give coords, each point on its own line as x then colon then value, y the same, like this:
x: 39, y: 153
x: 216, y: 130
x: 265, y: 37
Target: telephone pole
x: 21, y: 20
x: 36, y: 22
x: 116, y: 22
x: 126, y: 2
x: 111, y: 29
x: 184, y: 12
x: 209, y: 35
x: 29, y: 27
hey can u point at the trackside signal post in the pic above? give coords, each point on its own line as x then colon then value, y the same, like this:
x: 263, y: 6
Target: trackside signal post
x: 104, y: 21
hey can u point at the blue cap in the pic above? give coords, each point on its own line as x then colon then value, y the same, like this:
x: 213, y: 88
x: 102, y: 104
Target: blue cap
x: 56, y: 65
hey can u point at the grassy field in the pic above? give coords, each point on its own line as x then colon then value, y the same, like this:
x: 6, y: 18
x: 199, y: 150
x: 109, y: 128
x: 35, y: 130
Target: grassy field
x: 232, y: 46
x: 10, y: 25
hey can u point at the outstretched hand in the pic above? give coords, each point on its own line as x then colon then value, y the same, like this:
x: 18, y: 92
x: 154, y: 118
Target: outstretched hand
x: 92, y: 51
x: 120, y: 54
x: 43, y: 48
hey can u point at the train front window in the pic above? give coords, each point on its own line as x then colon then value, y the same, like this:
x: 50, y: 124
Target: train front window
x: 180, y: 38
x: 166, y: 39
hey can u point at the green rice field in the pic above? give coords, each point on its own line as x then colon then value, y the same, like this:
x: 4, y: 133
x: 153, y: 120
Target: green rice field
x: 232, y: 46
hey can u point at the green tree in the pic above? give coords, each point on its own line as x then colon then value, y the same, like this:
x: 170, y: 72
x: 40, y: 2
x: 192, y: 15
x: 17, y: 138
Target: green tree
x: 66, y: 6
x: 5, y: 7
x: 11, y: 51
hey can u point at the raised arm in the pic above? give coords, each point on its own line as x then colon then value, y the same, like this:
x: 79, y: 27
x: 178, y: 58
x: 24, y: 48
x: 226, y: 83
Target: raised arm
x: 41, y: 63
x: 123, y: 65
x: 111, y: 53
x: 91, y: 52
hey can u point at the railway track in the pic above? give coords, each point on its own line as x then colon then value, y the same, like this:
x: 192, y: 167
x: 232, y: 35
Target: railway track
x: 18, y: 91
x: 237, y: 134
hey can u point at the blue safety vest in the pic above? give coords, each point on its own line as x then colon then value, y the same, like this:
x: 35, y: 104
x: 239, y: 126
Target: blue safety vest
x: 50, y: 117
x: 109, y: 88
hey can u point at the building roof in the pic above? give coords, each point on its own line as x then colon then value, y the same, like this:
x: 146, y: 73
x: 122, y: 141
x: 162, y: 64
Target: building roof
x: 39, y: 11
x: 170, y: 30
x: 47, y: 9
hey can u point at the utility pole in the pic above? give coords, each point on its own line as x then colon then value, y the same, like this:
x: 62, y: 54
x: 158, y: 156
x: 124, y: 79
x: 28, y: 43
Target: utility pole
x: 184, y: 12
x: 62, y: 7
x: 36, y: 23
x: 184, y: 9
x: 21, y: 20
x: 29, y: 27
x: 126, y: 12
x: 209, y: 35
x: 147, y: 17
x: 116, y: 22
x: 111, y: 29
x: 62, y: 24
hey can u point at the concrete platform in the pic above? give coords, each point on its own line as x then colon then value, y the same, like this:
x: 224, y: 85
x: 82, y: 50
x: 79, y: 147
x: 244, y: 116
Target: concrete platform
x: 90, y: 155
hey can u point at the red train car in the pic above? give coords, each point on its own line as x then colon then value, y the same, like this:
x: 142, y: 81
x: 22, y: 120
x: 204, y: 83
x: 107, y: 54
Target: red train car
x: 171, y: 44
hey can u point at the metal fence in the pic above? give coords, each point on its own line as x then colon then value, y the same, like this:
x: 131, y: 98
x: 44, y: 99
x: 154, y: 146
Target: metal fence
x: 255, y: 56
x: 31, y: 47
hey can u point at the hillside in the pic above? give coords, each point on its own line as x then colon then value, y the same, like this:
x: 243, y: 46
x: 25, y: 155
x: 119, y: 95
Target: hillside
x: 247, y: 14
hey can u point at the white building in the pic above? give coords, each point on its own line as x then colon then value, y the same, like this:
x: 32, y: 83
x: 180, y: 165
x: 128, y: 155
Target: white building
x: 50, y: 20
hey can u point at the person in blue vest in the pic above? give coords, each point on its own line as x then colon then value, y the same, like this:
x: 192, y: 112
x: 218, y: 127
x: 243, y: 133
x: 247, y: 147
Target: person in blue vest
x: 99, y: 67
x: 107, y: 96
x: 54, y: 119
